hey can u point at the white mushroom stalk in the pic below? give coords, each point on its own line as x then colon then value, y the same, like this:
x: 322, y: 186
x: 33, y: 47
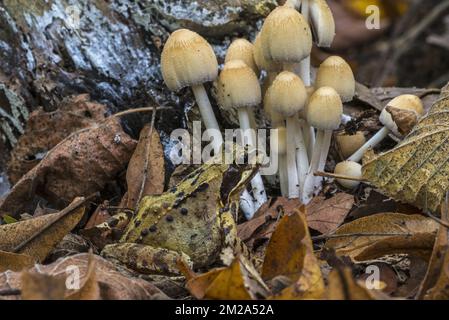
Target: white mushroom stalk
x: 287, y: 96
x: 410, y: 105
x: 238, y: 87
x: 324, y: 112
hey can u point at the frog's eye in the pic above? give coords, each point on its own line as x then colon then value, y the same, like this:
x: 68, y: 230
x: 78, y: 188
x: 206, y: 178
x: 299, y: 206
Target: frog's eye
x: 231, y: 178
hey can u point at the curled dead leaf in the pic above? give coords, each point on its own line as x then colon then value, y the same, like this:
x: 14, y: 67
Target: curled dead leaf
x: 79, y: 165
x: 37, y: 237
x: 98, y: 279
x: 290, y: 254
x: 146, y: 169
x: 325, y: 215
x: 239, y: 281
x: 44, y: 130
x: 385, y: 233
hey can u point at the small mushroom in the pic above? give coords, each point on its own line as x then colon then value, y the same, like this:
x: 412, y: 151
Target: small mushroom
x: 335, y: 72
x: 286, y: 37
x: 408, y: 107
x: 242, y: 49
x: 323, y: 24
x: 349, y: 143
x: 238, y: 87
x: 287, y: 96
x: 349, y: 169
x: 324, y: 111
x: 188, y: 60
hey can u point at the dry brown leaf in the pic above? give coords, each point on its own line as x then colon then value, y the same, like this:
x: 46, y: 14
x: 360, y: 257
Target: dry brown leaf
x: 239, y: 281
x: 325, y: 215
x: 146, y: 169
x: 112, y: 284
x: 416, y: 171
x: 79, y: 165
x: 51, y: 228
x: 15, y: 261
x: 385, y: 233
x: 44, y: 130
x: 100, y: 215
x: 435, y: 285
x: 90, y: 289
x: 290, y: 254
x: 265, y: 220
x: 343, y: 286
x: 38, y: 286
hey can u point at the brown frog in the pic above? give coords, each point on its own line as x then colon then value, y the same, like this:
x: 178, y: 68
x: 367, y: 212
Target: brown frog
x: 193, y: 221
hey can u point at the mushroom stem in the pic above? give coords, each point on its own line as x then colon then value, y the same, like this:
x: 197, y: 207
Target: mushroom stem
x: 375, y: 140
x: 324, y: 149
x: 302, y: 160
x: 257, y: 183
x: 304, y: 65
x: 309, y: 184
x: 247, y: 204
x: 309, y: 137
x: 293, y: 182
x: 283, y: 178
x: 207, y: 113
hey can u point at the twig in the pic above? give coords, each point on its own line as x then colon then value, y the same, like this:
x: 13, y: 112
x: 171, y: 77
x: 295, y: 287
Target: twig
x: 63, y: 213
x: 338, y: 176
x: 361, y: 234
x: 136, y: 110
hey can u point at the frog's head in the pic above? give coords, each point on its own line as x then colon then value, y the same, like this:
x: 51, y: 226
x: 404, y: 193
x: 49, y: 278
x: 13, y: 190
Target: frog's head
x: 235, y: 179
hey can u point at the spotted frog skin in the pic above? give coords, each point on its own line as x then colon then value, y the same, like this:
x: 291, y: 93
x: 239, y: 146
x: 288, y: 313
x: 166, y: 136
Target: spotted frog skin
x: 193, y: 221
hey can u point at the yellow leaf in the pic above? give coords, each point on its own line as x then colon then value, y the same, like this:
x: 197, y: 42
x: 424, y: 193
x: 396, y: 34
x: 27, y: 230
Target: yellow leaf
x: 239, y: 281
x: 290, y: 253
x: 385, y: 233
x: 38, y: 236
x: 342, y: 286
x: 360, y: 6
x: 416, y: 171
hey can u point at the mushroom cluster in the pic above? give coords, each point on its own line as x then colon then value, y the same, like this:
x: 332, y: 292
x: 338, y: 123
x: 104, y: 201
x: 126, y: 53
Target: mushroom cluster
x: 305, y: 110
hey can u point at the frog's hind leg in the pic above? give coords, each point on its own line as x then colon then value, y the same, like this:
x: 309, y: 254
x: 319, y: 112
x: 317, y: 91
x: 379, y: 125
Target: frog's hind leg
x: 146, y: 259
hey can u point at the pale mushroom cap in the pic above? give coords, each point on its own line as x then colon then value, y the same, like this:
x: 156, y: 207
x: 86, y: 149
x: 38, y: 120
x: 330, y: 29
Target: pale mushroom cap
x: 286, y: 36
x: 287, y: 94
x: 259, y: 58
x: 349, y: 143
x: 406, y: 102
x: 350, y: 169
x: 335, y: 72
x: 238, y: 86
x: 242, y: 49
x: 324, y: 109
x: 187, y: 60
x: 279, y: 140
x: 323, y: 23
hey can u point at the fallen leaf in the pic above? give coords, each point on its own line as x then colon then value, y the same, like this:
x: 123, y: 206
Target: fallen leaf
x: 38, y: 286
x: 79, y: 165
x: 290, y: 254
x: 435, y: 285
x: 265, y: 220
x: 416, y: 171
x: 343, y: 286
x: 325, y: 215
x: 100, y: 215
x: 44, y: 130
x: 239, y: 281
x: 15, y: 261
x: 38, y: 236
x: 385, y: 233
x: 112, y: 284
x: 90, y: 288
x: 146, y: 169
